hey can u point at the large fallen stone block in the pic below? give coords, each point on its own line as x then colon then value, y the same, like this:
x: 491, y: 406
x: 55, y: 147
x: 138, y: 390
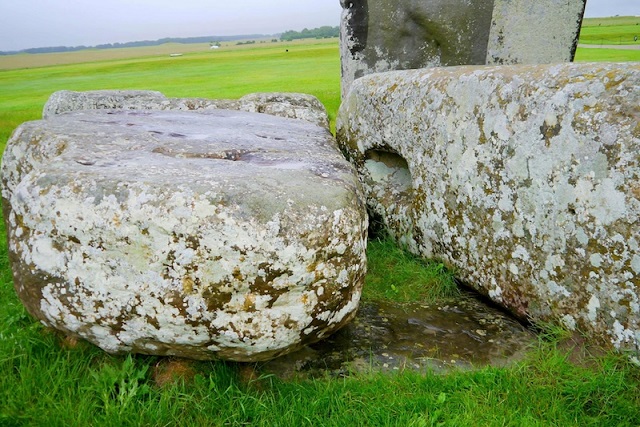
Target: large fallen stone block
x: 219, y: 234
x: 523, y: 179
x: 291, y: 105
x: 384, y: 35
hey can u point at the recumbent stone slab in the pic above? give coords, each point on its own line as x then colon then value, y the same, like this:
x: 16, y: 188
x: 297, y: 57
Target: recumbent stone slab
x: 384, y: 35
x: 282, y: 104
x: 219, y: 234
x: 524, y: 179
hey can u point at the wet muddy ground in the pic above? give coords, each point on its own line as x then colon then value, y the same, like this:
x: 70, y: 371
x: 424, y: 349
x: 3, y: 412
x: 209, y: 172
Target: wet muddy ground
x: 386, y: 336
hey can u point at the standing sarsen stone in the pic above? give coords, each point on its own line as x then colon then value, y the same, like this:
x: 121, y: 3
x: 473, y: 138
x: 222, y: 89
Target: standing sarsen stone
x: 384, y: 35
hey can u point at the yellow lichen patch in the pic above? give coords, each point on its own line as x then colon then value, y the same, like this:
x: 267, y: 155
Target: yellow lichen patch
x: 635, y: 188
x: 612, y: 79
x: 187, y: 285
x: 249, y: 302
x: 311, y: 267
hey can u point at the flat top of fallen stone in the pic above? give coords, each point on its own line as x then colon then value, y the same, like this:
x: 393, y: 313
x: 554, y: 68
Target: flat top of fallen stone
x: 204, y: 149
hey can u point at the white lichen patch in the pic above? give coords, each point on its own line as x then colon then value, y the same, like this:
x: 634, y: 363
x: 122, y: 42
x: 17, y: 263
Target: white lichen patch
x: 212, y: 253
x: 524, y: 180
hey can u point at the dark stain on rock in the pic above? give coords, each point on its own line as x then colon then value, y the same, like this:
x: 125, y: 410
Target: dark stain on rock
x: 233, y: 155
x: 358, y: 23
x: 549, y: 131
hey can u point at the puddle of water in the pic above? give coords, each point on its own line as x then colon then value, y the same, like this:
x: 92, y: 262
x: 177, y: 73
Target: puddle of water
x: 388, y: 336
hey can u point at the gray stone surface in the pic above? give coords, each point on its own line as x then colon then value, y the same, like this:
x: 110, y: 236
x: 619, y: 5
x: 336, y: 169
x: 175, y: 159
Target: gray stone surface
x: 384, y: 35
x: 290, y: 105
x: 534, y: 32
x: 524, y: 179
x: 392, y: 337
x: 219, y: 234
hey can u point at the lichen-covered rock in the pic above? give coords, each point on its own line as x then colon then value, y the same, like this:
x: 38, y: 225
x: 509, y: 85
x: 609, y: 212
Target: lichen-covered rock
x: 290, y: 105
x: 524, y: 179
x: 384, y: 35
x: 534, y: 32
x: 219, y: 234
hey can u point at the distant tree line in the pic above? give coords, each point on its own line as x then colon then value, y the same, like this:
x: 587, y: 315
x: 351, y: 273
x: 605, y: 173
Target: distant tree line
x: 315, y: 33
x: 185, y: 40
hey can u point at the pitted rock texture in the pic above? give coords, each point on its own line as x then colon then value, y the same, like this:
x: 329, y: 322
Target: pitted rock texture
x: 290, y: 105
x: 385, y: 35
x: 208, y: 235
x: 524, y: 179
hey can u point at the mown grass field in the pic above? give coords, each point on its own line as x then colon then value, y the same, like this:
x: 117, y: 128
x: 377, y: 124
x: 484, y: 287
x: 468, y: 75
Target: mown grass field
x: 607, y: 55
x: 229, y: 72
x: 46, y: 380
x: 623, y: 30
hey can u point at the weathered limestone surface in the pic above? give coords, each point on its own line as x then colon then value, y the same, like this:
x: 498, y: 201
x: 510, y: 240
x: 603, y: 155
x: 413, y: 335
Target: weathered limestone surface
x: 384, y: 35
x: 534, y: 32
x: 524, y: 179
x: 291, y: 105
x: 219, y: 234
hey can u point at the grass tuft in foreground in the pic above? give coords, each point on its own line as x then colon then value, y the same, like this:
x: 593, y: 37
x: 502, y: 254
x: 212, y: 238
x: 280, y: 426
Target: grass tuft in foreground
x: 55, y: 386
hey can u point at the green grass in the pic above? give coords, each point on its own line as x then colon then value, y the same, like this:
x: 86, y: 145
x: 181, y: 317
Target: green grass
x: 45, y: 380
x: 611, y: 31
x: 44, y: 384
x: 397, y: 275
x: 230, y: 73
x: 606, y: 55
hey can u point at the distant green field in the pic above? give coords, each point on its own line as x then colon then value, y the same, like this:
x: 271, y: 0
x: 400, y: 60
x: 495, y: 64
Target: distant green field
x: 312, y: 67
x: 607, y: 55
x: 611, y: 21
x: 611, y: 31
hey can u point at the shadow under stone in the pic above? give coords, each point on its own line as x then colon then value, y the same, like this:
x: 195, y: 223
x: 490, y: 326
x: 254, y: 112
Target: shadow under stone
x: 460, y: 334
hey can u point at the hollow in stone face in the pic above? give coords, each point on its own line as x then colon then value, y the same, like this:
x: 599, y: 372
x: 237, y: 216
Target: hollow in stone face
x: 211, y: 235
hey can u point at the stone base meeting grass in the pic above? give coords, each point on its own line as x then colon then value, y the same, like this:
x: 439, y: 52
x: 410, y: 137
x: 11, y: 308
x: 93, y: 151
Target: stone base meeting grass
x: 48, y: 379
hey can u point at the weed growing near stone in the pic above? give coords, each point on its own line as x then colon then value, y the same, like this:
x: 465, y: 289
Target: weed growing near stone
x: 48, y: 380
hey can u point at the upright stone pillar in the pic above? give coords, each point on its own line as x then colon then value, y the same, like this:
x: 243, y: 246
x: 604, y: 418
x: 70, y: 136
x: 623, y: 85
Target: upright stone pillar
x: 534, y: 32
x: 384, y: 35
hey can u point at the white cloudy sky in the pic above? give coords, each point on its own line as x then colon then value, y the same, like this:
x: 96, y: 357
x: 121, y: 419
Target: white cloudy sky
x: 40, y: 23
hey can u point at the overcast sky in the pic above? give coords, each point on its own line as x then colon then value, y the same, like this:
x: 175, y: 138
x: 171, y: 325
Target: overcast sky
x: 43, y: 23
